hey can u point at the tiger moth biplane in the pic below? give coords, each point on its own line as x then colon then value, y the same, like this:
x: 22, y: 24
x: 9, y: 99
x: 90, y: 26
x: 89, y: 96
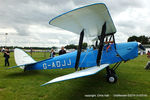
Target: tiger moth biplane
x: 92, y: 21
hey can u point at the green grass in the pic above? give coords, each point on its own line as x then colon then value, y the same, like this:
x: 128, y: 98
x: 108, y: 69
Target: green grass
x: 18, y: 85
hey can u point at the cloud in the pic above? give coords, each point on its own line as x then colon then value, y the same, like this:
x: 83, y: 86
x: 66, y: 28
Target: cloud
x: 26, y: 21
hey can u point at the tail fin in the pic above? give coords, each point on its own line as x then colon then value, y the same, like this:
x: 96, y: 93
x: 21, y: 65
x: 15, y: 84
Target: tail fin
x: 22, y: 58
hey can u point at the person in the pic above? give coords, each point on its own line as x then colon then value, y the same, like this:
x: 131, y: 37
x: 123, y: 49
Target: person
x: 62, y: 51
x: 6, y: 55
x: 3, y: 49
x: 148, y: 54
x: 52, y: 53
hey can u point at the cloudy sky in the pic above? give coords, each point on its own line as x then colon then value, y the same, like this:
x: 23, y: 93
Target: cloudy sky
x: 26, y: 21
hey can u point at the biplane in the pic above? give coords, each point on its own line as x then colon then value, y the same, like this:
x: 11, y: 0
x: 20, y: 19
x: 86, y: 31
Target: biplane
x: 91, y: 21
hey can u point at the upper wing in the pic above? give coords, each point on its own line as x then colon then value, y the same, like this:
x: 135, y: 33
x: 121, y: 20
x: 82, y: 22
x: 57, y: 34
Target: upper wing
x: 90, y: 18
x: 77, y: 74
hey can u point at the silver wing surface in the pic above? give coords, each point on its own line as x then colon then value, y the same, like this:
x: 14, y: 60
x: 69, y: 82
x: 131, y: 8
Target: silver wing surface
x: 90, y: 18
x: 77, y: 74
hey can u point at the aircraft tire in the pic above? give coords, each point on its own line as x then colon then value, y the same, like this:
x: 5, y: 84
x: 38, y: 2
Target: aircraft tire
x: 112, y: 78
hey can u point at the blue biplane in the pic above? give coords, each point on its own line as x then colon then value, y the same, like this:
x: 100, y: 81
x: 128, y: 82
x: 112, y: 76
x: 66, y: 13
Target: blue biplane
x: 92, y: 21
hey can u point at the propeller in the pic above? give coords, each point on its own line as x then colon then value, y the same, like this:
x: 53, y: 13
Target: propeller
x: 141, y: 46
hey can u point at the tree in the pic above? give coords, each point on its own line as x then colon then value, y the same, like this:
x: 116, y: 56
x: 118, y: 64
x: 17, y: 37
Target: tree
x: 54, y: 47
x: 142, y: 39
x: 72, y: 46
x: 84, y: 45
x: 133, y: 38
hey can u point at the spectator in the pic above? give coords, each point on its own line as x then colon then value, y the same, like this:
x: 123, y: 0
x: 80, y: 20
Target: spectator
x: 3, y: 49
x: 6, y: 55
x: 62, y: 51
x: 148, y: 54
x: 52, y: 53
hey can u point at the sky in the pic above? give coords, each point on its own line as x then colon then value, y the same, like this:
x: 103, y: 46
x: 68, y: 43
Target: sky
x: 26, y: 21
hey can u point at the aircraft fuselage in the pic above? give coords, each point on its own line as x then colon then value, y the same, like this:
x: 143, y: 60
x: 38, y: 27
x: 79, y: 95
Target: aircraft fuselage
x: 110, y: 55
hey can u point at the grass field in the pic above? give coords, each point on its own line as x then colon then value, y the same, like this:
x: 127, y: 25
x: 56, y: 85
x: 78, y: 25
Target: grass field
x: 15, y: 84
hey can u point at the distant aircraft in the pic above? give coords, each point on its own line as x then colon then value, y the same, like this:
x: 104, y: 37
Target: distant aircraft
x: 92, y: 21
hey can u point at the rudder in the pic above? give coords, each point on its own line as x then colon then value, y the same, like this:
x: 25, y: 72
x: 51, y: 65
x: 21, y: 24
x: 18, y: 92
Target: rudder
x: 22, y: 58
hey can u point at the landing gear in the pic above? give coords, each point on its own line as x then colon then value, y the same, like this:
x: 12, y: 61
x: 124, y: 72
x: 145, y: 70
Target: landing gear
x: 111, y: 76
x: 112, y: 79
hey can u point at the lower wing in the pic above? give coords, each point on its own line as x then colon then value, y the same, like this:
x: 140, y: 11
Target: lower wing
x: 77, y: 74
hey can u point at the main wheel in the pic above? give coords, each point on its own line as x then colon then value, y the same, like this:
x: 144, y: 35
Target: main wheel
x: 111, y: 78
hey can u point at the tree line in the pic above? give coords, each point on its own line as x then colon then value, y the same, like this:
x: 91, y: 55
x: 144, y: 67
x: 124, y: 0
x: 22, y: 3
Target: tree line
x: 142, y: 39
x: 70, y: 46
x: 73, y: 46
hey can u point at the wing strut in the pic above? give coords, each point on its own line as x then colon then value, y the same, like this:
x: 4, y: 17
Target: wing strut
x: 79, y: 50
x: 96, y: 43
x: 101, y: 44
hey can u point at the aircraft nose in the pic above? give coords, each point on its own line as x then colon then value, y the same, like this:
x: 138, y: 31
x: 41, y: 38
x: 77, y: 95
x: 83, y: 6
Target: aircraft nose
x: 140, y: 46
